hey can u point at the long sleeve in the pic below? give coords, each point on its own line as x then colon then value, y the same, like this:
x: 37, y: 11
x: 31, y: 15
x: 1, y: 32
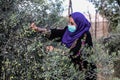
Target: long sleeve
x: 57, y: 33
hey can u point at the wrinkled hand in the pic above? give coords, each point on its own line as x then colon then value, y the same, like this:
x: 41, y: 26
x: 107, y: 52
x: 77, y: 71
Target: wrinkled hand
x: 49, y: 48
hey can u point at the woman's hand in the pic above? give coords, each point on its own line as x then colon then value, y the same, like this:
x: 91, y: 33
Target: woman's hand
x: 34, y: 27
x: 49, y: 48
x: 38, y: 29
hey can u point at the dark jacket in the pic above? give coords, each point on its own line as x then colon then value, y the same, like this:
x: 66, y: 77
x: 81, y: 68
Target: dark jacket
x: 58, y: 33
x: 83, y: 64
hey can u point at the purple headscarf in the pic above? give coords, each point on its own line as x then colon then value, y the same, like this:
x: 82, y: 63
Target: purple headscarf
x: 83, y: 25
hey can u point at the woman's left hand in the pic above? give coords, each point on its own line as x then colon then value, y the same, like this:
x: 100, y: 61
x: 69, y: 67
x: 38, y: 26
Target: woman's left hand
x: 49, y: 48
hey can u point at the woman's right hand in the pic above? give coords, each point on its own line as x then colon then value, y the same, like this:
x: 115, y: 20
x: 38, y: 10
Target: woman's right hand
x: 38, y: 29
x: 34, y: 27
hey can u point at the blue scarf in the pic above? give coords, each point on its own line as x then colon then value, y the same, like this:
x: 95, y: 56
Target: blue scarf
x: 83, y: 25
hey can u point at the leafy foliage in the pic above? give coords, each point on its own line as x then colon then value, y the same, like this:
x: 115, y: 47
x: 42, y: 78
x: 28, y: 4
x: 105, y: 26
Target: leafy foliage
x: 21, y: 50
x: 109, y: 9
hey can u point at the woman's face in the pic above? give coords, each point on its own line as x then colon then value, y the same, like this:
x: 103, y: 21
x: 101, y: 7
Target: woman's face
x: 71, y: 22
x: 71, y: 26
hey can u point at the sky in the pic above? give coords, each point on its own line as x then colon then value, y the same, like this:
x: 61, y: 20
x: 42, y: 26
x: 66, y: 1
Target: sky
x: 79, y: 6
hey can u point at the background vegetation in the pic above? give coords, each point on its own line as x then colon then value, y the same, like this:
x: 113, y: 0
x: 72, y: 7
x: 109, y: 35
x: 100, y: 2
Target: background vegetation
x: 110, y: 9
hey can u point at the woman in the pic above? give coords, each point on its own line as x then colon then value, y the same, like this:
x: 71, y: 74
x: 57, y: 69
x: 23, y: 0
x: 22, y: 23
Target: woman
x: 74, y: 36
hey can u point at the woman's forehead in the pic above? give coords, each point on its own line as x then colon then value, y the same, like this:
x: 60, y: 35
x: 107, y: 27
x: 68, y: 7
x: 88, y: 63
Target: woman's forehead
x: 71, y: 19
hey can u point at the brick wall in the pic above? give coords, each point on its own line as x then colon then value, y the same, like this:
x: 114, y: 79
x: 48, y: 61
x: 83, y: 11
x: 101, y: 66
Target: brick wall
x: 99, y: 29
